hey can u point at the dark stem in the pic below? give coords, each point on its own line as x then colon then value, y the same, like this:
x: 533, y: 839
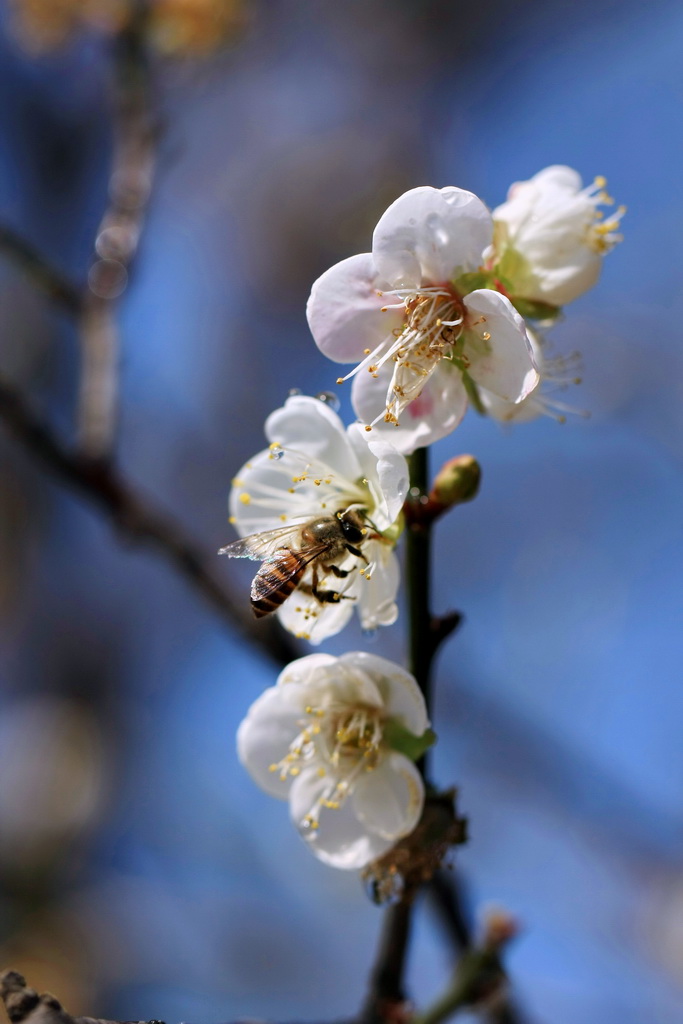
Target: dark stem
x: 386, y: 980
x: 387, y: 988
x: 418, y: 580
x: 447, y: 899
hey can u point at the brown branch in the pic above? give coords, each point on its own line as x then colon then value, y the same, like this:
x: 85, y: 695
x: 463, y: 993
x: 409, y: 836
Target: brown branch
x: 387, y: 995
x: 118, y: 234
x: 58, y: 288
x: 137, y: 519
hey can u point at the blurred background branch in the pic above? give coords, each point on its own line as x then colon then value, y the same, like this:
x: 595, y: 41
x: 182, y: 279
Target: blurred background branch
x: 138, y: 521
x: 118, y: 234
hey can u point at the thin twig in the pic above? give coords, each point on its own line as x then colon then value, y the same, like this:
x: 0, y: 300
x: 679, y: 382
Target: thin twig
x: 447, y: 899
x: 48, y: 279
x: 118, y: 234
x: 137, y: 519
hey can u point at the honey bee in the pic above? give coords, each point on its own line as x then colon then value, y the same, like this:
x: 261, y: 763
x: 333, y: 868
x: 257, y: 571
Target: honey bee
x: 286, y: 553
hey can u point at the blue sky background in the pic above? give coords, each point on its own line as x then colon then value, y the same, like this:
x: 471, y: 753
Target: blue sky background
x: 181, y: 892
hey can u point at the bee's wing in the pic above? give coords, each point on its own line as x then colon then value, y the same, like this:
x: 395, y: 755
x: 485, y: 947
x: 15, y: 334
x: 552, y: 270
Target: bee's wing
x: 276, y: 572
x: 260, y: 545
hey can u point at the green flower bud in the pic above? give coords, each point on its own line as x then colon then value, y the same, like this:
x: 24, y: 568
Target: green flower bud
x: 456, y: 482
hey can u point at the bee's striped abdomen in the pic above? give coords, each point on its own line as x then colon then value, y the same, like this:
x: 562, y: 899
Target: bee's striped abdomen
x: 276, y: 579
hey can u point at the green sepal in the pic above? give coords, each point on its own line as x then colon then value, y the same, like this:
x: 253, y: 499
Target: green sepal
x: 473, y: 280
x: 395, y: 530
x: 406, y: 742
x: 512, y: 266
x: 532, y: 310
x: 473, y: 393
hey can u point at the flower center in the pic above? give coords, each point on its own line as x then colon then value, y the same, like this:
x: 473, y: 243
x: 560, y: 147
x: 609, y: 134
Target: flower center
x: 432, y: 327
x: 342, y: 741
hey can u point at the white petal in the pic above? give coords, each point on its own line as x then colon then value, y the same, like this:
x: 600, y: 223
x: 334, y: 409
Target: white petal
x: 377, y: 594
x: 437, y: 411
x: 401, y: 696
x: 345, y: 310
x: 558, y: 176
x: 309, y: 425
x: 389, y: 799
x: 306, y: 670
x: 503, y: 362
x: 264, y: 737
x: 386, y: 471
x: 560, y: 272
x: 310, y: 620
x: 341, y: 840
x: 428, y: 235
x: 508, y: 412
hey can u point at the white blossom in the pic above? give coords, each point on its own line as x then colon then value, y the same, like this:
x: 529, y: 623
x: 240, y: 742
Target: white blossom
x: 551, y: 236
x: 415, y: 318
x: 315, y: 468
x: 321, y: 739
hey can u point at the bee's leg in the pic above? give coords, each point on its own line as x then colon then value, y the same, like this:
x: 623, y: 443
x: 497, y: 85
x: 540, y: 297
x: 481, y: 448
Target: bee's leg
x: 340, y: 573
x: 357, y: 552
x: 326, y: 596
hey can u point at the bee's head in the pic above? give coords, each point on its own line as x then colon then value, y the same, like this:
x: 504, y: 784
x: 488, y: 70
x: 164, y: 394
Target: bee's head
x: 352, y: 526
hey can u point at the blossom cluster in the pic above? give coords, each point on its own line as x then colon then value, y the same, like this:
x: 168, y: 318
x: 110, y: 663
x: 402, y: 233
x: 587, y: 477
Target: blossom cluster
x: 448, y: 309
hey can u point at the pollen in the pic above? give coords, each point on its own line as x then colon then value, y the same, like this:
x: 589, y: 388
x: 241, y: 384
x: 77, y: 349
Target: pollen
x: 245, y: 498
x: 232, y: 520
x: 340, y: 380
x: 366, y: 351
x: 368, y: 428
x: 283, y: 517
x: 236, y: 482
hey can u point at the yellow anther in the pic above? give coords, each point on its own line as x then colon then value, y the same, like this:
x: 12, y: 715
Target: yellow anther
x: 486, y: 336
x: 273, y: 767
x: 368, y: 428
x: 600, y: 181
x: 245, y: 498
x: 366, y: 351
x: 283, y: 517
x: 340, y: 380
x: 232, y: 519
x: 321, y: 773
x: 236, y: 482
